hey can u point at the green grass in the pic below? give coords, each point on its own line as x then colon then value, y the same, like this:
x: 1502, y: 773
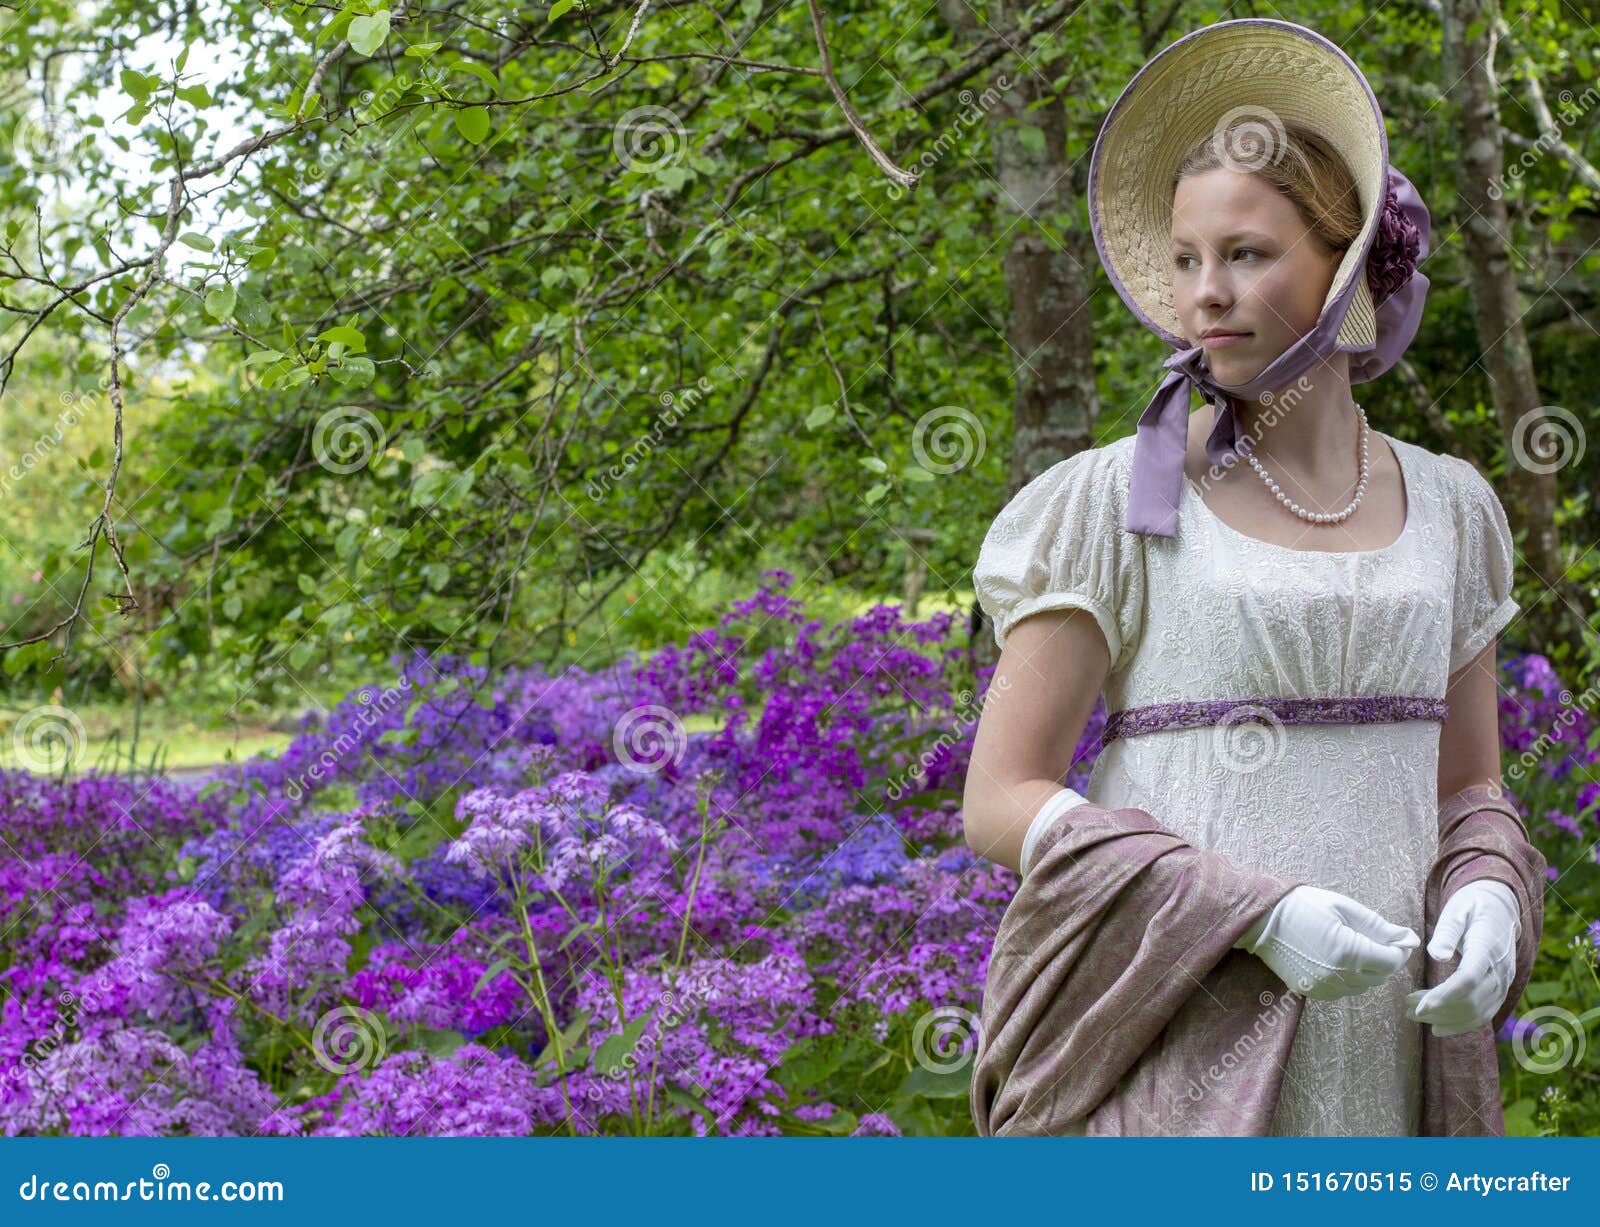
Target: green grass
x: 167, y: 738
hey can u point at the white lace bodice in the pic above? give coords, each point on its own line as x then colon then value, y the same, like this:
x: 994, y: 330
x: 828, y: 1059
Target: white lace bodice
x: 1214, y: 614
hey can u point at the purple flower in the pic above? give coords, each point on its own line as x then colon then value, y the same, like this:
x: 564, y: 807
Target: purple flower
x: 1396, y: 247
x: 1515, y: 1028
x: 876, y: 1125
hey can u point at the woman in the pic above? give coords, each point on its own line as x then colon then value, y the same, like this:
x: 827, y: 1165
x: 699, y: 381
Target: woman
x: 1293, y: 616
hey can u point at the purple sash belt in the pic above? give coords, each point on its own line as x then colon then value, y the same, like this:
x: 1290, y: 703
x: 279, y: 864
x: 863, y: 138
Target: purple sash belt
x: 1364, y: 709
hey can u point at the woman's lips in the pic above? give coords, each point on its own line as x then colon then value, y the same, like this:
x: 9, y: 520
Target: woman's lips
x: 1224, y: 339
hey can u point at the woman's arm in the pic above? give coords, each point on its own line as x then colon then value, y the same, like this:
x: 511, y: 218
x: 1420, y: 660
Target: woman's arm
x: 1469, y: 743
x: 1044, y: 688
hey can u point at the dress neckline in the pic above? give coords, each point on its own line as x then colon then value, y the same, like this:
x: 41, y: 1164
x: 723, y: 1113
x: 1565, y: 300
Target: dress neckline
x: 1408, y: 489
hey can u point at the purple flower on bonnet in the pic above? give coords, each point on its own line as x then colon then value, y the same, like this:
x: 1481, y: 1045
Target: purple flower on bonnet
x: 1395, y: 248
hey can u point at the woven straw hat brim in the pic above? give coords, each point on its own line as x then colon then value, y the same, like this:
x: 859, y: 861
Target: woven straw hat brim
x: 1267, y: 73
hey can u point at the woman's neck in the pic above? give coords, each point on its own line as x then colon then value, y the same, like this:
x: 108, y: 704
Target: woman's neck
x: 1305, y: 427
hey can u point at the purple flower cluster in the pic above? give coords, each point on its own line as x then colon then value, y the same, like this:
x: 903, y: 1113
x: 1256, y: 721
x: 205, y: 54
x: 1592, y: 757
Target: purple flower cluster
x: 535, y: 903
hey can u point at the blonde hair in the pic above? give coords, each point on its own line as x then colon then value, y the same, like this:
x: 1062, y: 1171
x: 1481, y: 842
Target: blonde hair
x: 1298, y: 163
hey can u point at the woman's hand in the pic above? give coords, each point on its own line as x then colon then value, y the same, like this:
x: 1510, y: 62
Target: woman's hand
x: 1325, y: 945
x: 1482, y: 918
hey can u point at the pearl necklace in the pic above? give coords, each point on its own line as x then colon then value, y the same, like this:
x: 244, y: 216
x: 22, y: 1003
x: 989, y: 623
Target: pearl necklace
x: 1313, y: 517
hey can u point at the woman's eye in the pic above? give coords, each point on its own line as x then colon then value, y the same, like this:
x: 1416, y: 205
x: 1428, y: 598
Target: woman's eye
x: 1237, y: 251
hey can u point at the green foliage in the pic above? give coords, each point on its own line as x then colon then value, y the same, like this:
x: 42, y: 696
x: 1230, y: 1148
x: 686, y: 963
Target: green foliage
x: 478, y: 330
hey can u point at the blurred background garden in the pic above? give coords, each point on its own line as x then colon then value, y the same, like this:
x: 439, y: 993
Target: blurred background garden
x: 488, y: 496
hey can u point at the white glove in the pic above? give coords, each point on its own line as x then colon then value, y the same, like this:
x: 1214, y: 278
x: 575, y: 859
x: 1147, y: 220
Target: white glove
x: 1056, y: 804
x: 1325, y: 945
x: 1482, y: 918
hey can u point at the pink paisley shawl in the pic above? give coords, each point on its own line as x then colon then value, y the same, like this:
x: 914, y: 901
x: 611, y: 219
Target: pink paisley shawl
x: 1115, y: 1003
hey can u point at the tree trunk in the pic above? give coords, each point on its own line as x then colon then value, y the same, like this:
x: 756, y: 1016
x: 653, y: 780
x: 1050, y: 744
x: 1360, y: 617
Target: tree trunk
x: 1048, y: 269
x: 1529, y: 495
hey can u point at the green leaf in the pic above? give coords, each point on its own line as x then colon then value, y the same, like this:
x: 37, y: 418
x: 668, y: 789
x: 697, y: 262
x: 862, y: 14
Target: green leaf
x: 810, y: 1061
x: 875, y: 495
x: 437, y: 573
x: 198, y: 241
x: 442, y: 488
x: 840, y: 1124
x: 577, y: 930
x: 220, y: 521
x: 673, y: 175
x: 1519, y: 1119
x: 558, y: 8
x: 306, y: 583
x: 935, y: 1085
x: 301, y: 653
x: 1542, y: 991
x: 257, y: 921
x: 136, y: 85
x: 354, y: 372
x: 195, y: 95
x: 220, y: 301
x: 345, y: 335
x: 489, y: 973
x: 684, y: 1099
x: 472, y: 123
x: 610, y: 1054
x: 252, y: 311
x: 570, y: 1035
x: 18, y: 659
x: 367, y: 34
x: 441, y: 1043
x: 482, y: 71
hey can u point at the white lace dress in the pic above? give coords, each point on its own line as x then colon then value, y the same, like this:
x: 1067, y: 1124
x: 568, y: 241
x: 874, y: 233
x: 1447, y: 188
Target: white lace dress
x: 1214, y: 614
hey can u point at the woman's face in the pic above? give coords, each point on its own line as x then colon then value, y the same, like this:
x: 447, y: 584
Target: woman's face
x: 1244, y: 261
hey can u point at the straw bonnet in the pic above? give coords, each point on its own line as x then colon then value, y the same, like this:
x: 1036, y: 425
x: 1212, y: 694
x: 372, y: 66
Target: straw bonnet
x: 1260, y: 74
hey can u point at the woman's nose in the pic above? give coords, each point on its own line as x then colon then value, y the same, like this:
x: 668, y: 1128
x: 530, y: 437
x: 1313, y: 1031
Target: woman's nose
x: 1213, y: 286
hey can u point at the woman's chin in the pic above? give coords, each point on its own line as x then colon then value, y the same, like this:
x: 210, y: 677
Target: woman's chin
x: 1230, y: 368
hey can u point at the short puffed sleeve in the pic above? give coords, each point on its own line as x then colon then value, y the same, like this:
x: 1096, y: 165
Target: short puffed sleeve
x: 1060, y: 544
x: 1485, y: 557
